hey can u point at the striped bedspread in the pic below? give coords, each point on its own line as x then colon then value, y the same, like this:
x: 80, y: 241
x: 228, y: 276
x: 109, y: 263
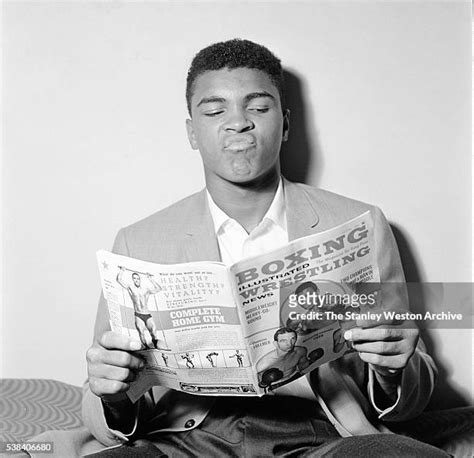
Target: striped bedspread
x: 31, y: 406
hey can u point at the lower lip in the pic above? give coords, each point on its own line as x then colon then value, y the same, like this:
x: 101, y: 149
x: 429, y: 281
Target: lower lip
x: 239, y: 146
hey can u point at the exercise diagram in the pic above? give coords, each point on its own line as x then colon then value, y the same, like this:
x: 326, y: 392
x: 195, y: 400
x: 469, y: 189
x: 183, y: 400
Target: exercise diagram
x: 239, y: 357
x: 188, y: 357
x: 210, y: 357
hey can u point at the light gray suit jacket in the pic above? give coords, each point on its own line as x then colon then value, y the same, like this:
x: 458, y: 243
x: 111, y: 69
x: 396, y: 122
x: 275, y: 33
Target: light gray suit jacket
x: 184, y: 232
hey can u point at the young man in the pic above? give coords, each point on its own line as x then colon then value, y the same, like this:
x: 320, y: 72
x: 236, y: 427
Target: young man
x: 238, y: 122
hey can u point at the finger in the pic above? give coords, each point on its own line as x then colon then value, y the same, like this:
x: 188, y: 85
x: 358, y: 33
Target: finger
x: 385, y: 361
x: 374, y: 334
x: 97, y: 355
x: 380, y: 347
x: 100, y: 386
x: 115, y: 341
x: 119, y: 374
x: 382, y: 321
x: 122, y: 359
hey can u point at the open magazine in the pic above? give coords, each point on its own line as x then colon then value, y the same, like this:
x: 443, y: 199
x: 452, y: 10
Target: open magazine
x: 247, y: 329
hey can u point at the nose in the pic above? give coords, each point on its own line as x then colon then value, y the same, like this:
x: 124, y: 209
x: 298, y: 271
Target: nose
x: 238, y: 121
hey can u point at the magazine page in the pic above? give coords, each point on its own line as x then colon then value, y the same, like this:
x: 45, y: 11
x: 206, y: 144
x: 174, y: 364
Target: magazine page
x: 186, y: 318
x: 297, y: 301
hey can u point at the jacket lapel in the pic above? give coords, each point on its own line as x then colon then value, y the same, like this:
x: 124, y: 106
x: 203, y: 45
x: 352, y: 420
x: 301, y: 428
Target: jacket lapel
x: 200, y: 241
x: 301, y: 216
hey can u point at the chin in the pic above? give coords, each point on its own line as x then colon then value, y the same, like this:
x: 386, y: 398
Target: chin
x: 247, y: 179
x: 253, y: 179
x: 243, y: 179
x: 249, y: 183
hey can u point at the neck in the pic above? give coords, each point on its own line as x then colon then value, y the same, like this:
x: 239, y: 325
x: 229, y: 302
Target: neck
x: 247, y: 203
x: 282, y: 353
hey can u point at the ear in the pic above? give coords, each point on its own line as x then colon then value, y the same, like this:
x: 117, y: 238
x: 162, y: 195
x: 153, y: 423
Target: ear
x: 275, y: 343
x: 286, y: 125
x: 191, y: 135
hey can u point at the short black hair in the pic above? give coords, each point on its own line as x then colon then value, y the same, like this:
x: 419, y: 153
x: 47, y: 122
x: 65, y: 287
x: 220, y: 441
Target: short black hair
x: 284, y: 331
x: 231, y: 54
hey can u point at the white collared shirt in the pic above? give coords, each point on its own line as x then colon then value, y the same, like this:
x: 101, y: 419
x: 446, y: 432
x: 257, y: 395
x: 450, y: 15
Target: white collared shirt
x: 236, y: 244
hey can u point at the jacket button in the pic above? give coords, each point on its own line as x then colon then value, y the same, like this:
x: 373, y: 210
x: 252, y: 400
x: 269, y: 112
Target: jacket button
x: 189, y: 424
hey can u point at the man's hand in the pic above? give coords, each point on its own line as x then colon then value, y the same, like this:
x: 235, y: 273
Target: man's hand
x: 112, y: 366
x: 386, y: 348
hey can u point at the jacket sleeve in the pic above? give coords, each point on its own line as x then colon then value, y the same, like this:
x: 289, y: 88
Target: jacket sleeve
x: 418, y: 377
x: 92, y: 408
x: 414, y: 391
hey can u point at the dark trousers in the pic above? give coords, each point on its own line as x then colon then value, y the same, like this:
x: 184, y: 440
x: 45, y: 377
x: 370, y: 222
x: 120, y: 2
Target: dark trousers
x: 266, y: 427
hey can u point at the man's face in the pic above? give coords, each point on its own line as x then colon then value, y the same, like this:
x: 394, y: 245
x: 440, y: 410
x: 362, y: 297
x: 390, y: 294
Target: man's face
x: 237, y: 124
x: 136, y: 280
x: 286, y: 342
x: 309, y: 302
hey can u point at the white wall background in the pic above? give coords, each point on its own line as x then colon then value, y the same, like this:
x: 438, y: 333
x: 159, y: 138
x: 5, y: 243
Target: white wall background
x: 93, y: 117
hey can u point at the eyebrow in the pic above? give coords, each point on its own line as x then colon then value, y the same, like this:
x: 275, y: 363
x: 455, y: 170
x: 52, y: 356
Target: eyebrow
x: 212, y: 99
x: 257, y: 95
x: 247, y: 98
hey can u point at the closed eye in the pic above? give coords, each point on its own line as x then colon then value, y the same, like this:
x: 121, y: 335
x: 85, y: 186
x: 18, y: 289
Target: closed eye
x: 213, y: 113
x: 259, y: 109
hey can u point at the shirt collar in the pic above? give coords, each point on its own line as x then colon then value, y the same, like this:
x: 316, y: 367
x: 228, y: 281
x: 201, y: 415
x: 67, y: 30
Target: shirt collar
x: 275, y: 213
